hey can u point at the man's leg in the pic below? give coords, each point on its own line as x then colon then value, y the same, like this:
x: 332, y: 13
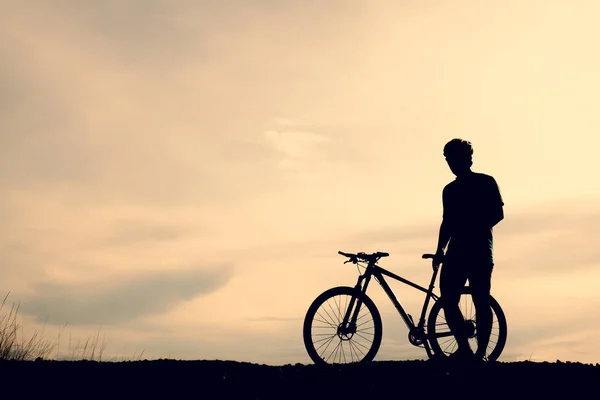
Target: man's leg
x: 480, y: 282
x: 452, y: 280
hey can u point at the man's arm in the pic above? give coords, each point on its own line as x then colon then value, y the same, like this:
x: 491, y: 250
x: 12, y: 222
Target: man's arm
x: 496, y: 207
x: 444, y: 234
x: 443, y: 238
x: 496, y: 216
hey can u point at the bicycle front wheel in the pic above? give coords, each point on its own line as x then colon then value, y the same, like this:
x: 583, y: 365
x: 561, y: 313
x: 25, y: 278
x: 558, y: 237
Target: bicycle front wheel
x: 442, y: 340
x: 328, y: 341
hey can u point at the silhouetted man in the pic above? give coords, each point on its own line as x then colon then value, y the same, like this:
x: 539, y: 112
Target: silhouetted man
x: 472, y: 207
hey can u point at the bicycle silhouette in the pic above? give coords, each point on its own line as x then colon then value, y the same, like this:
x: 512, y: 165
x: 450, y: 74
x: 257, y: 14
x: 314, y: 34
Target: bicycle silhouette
x: 343, y: 325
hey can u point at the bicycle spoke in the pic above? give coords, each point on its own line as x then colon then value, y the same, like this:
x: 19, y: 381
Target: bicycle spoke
x: 359, y: 335
x: 332, y: 323
x: 352, y: 353
x: 339, y: 310
x: 330, y: 338
x: 334, y: 350
x: 325, y: 322
x: 449, y: 340
x: 454, y: 347
x: 356, y: 350
x: 365, y: 332
x: 337, y: 354
x: 366, y: 322
x: 336, y: 321
x: 361, y: 316
x: 324, y: 352
x: 362, y: 345
x: 328, y: 342
x: 346, y: 304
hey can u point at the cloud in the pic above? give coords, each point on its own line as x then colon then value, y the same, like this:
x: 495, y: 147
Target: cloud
x: 551, y: 239
x: 123, y: 301
x: 113, y: 112
x: 287, y: 122
x: 274, y: 319
x: 129, y: 231
x: 298, y: 149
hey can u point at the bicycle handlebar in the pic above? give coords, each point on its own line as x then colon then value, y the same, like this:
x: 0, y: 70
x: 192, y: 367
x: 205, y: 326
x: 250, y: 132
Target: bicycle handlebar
x: 363, y: 256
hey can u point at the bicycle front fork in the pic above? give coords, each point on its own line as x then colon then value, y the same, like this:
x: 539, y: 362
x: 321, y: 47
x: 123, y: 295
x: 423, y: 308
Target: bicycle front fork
x: 348, y: 327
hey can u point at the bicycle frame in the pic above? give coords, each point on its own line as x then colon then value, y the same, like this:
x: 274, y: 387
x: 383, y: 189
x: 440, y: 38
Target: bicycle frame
x: 373, y: 270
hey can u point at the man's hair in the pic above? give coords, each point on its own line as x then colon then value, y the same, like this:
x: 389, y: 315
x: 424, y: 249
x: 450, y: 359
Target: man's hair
x: 458, y: 148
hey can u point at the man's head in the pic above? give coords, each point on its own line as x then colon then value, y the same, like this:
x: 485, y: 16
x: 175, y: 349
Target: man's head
x: 459, y: 155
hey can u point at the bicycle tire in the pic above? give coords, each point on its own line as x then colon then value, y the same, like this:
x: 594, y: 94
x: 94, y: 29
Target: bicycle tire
x: 436, y: 327
x: 330, y: 318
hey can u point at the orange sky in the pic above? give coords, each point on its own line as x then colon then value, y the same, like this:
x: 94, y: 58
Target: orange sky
x: 181, y: 175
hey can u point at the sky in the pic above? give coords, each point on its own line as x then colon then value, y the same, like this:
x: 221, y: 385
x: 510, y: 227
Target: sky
x: 178, y: 177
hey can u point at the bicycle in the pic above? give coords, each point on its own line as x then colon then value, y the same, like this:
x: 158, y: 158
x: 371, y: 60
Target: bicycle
x: 343, y: 312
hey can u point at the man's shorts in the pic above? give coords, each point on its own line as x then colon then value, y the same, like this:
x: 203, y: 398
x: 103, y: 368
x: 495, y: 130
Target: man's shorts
x: 456, y: 272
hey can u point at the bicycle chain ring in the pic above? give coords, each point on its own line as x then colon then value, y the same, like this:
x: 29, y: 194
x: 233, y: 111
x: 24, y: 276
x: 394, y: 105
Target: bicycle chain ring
x: 415, y: 337
x: 471, y: 328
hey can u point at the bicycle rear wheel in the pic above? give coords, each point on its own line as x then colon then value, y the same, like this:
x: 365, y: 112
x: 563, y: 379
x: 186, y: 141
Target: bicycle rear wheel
x: 328, y: 342
x: 442, y: 340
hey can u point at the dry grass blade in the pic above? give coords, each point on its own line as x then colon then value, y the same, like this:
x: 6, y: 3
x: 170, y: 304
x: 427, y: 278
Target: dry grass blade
x: 13, y: 347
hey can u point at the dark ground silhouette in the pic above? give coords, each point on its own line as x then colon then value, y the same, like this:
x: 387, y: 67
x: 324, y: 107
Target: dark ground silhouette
x: 171, y: 379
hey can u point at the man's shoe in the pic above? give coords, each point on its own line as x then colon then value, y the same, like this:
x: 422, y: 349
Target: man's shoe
x: 462, y: 357
x: 482, y: 360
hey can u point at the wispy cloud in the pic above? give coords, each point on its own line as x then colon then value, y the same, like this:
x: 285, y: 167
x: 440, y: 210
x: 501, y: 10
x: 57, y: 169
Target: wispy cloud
x: 128, y: 231
x: 121, y: 300
x: 299, y: 150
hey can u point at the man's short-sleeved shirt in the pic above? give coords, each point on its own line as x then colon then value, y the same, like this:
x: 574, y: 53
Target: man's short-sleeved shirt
x: 469, y: 202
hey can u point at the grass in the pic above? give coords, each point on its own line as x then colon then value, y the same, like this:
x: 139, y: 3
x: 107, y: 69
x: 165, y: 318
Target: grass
x: 92, y: 349
x: 15, y: 345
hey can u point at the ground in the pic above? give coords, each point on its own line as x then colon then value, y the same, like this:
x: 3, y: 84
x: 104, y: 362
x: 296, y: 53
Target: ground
x: 215, y: 379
